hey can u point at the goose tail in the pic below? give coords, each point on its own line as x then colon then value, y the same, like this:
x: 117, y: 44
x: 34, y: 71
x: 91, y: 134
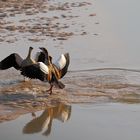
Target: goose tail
x: 60, y: 85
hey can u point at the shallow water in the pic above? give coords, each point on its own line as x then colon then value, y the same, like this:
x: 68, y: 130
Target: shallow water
x: 119, y: 32
x: 96, y: 121
x: 110, y: 39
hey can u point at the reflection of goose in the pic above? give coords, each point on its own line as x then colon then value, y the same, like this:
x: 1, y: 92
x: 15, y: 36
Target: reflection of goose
x: 47, y: 71
x: 43, y: 123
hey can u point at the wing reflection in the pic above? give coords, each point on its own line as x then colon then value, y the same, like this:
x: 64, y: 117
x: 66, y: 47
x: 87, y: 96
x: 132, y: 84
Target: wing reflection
x: 43, y: 123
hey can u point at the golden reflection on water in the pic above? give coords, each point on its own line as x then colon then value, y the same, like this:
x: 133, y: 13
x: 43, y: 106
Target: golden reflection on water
x: 43, y: 123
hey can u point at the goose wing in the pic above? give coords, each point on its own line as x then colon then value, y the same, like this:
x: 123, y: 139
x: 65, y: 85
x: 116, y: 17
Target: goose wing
x: 65, y: 68
x: 62, y: 64
x: 13, y: 60
x: 40, y: 57
x: 36, y: 71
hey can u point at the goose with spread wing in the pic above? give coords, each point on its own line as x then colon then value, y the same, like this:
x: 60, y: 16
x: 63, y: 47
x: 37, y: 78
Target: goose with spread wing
x: 16, y: 61
x: 48, y: 71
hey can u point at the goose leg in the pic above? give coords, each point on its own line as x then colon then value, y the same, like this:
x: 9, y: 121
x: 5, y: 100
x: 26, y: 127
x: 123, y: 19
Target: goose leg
x: 50, y: 89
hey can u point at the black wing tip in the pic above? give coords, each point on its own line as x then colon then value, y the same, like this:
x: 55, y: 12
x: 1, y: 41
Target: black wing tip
x: 67, y: 56
x: 12, y: 60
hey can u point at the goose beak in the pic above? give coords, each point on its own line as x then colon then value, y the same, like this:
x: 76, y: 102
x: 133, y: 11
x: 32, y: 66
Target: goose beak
x: 41, y: 48
x: 31, y: 48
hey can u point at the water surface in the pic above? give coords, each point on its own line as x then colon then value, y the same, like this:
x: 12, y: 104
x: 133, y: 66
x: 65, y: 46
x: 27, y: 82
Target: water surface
x: 96, y: 121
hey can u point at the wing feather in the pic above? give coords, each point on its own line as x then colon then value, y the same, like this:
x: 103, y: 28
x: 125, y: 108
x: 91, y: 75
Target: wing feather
x: 13, y: 60
x: 35, y: 71
x: 44, y: 68
x: 61, y: 62
x: 65, y: 68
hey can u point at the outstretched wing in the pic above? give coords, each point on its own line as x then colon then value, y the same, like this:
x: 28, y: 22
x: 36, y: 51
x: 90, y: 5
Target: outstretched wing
x: 36, y: 71
x: 62, y: 64
x: 13, y: 60
x: 65, y: 68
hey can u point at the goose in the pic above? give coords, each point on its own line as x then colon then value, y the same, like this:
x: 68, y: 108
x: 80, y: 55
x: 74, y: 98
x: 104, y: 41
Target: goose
x: 16, y: 61
x: 47, y: 71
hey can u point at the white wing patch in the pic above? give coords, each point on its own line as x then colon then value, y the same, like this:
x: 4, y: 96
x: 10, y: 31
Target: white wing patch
x: 43, y: 68
x: 61, y: 62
